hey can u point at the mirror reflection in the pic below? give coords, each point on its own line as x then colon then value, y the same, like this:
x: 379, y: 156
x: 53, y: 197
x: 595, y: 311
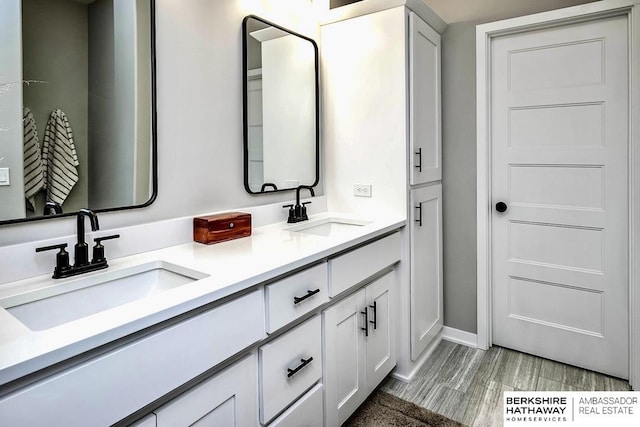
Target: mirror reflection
x: 281, y: 107
x: 76, y: 102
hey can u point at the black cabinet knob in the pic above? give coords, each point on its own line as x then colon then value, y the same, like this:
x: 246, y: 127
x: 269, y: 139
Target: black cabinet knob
x: 501, y: 207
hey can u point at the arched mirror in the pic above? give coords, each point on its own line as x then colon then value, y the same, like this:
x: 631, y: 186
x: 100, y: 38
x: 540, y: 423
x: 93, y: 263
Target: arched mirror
x: 281, y: 99
x: 77, y: 107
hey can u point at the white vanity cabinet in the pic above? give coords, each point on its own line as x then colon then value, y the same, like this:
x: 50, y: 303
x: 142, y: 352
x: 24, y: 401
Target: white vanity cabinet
x: 217, y: 365
x: 359, y: 347
x: 229, y: 398
x: 426, y: 267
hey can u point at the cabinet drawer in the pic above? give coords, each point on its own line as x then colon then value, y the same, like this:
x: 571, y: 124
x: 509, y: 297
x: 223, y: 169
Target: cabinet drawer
x: 228, y: 398
x: 353, y: 267
x: 296, y: 295
x: 306, y: 412
x: 127, y: 378
x: 284, y: 375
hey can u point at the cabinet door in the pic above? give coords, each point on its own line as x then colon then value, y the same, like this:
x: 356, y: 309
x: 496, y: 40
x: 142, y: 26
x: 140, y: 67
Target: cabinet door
x: 229, y: 398
x: 344, y: 358
x: 424, y: 102
x: 426, y: 267
x: 380, y: 341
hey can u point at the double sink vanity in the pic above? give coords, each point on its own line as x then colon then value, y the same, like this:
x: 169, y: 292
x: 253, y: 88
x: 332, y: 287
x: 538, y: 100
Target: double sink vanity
x: 256, y: 328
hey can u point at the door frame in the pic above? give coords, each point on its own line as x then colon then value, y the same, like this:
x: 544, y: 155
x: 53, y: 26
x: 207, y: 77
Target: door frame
x: 484, y: 35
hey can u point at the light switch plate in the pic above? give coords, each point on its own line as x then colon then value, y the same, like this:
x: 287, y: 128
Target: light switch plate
x: 362, y: 190
x: 4, y: 177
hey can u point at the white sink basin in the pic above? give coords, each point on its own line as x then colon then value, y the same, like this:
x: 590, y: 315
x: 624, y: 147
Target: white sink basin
x: 74, y: 299
x: 329, y: 226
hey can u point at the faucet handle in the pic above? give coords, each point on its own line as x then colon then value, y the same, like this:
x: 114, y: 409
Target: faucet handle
x: 292, y: 214
x: 99, y: 240
x: 98, y: 249
x: 62, y: 259
x: 303, y: 210
x: 60, y: 246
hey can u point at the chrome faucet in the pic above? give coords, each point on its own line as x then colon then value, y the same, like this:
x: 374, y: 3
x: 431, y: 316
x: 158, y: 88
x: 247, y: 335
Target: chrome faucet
x: 81, y: 262
x: 298, y: 212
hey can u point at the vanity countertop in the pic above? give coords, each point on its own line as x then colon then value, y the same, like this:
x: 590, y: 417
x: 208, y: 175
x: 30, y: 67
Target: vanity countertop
x: 231, y: 267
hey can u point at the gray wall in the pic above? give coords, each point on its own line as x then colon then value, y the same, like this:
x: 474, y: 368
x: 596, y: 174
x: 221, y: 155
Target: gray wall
x: 459, y: 175
x: 55, y: 51
x: 199, y: 68
x: 459, y: 152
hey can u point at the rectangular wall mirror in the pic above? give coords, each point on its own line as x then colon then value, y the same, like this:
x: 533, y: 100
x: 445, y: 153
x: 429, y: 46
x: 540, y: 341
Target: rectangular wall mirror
x: 78, y: 77
x: 281, y: 99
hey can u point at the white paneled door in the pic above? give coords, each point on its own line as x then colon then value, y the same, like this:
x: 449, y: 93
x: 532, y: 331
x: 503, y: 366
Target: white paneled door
x: 560, y: 133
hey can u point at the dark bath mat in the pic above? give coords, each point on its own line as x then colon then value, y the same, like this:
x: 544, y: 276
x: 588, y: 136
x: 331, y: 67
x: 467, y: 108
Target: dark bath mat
x: 385, y: 410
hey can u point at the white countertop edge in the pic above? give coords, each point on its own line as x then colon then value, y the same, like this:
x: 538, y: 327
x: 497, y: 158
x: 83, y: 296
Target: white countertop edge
x: 23, y: 351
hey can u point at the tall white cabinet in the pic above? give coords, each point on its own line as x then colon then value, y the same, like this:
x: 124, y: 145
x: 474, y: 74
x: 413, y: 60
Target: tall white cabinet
x: 381, y: 77
x: 425, y: 142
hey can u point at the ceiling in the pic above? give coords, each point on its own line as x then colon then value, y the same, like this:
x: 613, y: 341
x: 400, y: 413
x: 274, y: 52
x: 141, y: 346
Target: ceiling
x: 492, y: 10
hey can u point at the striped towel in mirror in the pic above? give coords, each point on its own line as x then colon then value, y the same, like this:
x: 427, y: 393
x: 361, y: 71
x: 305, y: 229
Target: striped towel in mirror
x: 33, y: 170
x: 59, y: 157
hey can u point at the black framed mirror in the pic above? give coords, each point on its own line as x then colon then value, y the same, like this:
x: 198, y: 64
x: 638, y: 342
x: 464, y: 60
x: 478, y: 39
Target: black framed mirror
x: 78, y: 102
x: 281, y: 108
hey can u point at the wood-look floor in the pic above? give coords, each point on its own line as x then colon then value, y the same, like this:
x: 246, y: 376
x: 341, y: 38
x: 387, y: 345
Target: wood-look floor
x: 466, y: 384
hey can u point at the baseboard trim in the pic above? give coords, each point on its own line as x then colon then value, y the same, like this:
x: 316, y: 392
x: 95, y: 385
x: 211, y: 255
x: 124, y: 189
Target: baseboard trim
x: 460, y: 337
x: 421, y: 361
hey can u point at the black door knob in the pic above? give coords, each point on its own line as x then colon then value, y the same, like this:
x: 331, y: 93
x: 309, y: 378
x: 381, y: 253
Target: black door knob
x: 501, y: 207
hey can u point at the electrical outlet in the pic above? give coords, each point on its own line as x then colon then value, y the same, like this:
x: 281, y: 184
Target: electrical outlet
x: 362, y: 190
x: 4, y: 176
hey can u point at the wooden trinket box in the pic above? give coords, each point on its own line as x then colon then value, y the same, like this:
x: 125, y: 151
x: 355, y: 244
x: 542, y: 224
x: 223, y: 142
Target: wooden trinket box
x: 221, y: 227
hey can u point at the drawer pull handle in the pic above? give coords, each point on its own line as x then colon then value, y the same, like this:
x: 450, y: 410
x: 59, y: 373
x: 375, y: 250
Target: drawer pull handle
x: 366, y: 321
x: 304, y: 362
x: 419, y: 165
x: 374, y: 322
x: 296, y: 300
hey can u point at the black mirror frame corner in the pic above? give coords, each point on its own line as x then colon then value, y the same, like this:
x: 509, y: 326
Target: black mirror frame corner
x: 245, y: 106
x: 154, y: 141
